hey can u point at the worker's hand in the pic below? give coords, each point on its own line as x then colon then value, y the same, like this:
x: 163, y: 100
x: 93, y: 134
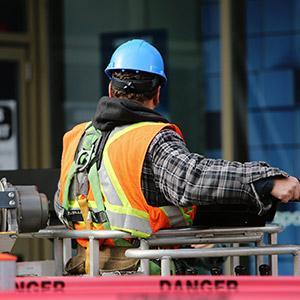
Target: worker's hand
x: 286, y: 189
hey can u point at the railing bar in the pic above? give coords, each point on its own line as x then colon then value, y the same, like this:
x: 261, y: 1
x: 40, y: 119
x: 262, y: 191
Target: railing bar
x: 297, y: 264
x: 74, y: 234
x: 273, y: 259
x: 94, y: 256
x: 217, y: 252
x: 145, y: 262
x: 193, y: 230
x: 187, y: 240
x: 67, y: 250
x: 259, y: 259
x: 58, y: 257
x: 165, y: 266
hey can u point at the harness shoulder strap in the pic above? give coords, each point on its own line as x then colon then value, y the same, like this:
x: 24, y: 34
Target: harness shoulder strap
x: 84, y: 157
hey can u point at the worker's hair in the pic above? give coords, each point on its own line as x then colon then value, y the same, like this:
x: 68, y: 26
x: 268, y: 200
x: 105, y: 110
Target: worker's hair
x: 127, y: 75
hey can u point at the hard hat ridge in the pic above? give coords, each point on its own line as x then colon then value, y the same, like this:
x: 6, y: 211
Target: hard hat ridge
x: 137, y: 55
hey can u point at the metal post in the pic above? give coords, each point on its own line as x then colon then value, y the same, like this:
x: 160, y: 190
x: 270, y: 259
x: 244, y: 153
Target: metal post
x: 231, y: 266
x: 227, y: 267
x: 94, y: 256
x: 259, y: 259
x: 58, y: 256
x: 297, y: 264
x: 165, y: 266
x: 145, y: 262
x: 235, y: 259
x: 67, y: 250
x: 273, y: 259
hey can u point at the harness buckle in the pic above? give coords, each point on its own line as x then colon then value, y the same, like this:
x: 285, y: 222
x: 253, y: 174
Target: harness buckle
x: 88, y: 155
x: 100, y: 217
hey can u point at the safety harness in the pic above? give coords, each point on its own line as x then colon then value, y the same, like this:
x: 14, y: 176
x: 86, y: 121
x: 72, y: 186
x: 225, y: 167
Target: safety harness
x: 85, y: 165
x: 83, y: 211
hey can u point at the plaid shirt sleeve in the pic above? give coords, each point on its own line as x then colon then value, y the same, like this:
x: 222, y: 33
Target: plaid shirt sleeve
x: 186, y: 178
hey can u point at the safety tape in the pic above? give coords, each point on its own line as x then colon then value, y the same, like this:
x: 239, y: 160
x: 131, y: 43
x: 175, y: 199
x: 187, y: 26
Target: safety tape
x: 258, y: 286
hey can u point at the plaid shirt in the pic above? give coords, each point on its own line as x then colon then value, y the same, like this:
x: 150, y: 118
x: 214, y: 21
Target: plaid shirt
x: 173, y: 174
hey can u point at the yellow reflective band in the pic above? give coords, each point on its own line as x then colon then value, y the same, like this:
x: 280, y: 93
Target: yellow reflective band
x: 163, y: 209
x: 121, y: 209
x: 124, y: 211
x: 131, y: 127
x: 119, y: 190
x: 176, y: 215
x: 74, y: 204
x: 114, y: 179
x: 82, y: 223
x: 132, y: 232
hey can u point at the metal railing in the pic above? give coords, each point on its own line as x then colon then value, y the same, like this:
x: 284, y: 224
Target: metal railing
x: 186, y: 236
x: 63, y: 249
x: 233, y: 236
x: 165, y: 255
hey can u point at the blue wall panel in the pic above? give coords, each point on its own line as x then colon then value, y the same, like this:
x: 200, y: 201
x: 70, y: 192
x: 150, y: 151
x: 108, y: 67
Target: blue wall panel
x: 210, y: 19
x: 211, y: 53
x: 278, y: 51
x: 255, y: 92
x: 271, y: 128
x: 297, y: 127
x: 273, y: 88
x: 277, y: 157
x: 256, y: 132
x: 296, y: 49
x: 278, y: 88
x: 297, y: 165
x: 254, y: 48
x: 214, y: 154
x: 254, y: 14
x: 296, y: 14
x: 277, y: 15
x: 272, y: 65
x: 212, y: 93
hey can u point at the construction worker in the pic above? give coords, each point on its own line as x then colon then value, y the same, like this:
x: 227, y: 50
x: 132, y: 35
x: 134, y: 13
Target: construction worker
x: 129, y: 169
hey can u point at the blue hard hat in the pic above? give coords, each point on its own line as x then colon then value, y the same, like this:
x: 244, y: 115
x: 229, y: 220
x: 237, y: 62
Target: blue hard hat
x: 137, y: 55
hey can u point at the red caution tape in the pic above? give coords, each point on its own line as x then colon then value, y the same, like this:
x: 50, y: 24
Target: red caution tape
x: 156, y: 287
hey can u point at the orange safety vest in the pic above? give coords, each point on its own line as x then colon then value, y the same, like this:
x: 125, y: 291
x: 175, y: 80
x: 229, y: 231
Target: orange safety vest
x: 120, y: 180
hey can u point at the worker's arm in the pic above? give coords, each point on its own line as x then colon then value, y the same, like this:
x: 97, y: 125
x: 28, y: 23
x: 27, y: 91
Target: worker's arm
x: 187, y: 178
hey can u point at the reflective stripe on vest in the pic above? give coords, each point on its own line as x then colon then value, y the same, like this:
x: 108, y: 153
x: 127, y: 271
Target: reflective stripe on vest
x: 125, y: 203
x: 136, y: 226
x: 175, y: 215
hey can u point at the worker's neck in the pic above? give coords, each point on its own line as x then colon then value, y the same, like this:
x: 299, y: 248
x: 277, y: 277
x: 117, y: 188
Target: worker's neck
x: 149, y: 104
